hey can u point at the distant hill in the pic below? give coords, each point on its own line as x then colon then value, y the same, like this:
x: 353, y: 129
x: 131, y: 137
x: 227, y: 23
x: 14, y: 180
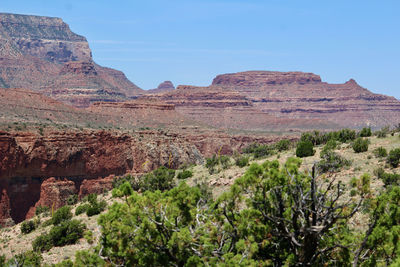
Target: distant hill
x: 43, y: 54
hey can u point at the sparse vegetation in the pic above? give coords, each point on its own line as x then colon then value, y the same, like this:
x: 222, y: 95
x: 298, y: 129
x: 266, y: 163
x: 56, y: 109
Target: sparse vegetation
x: 185, y: 174
x: 27, y: 227
x: 394, y: 157
x: 305, y: 149
x: 242, y: 161
x: 366, y: 132
x: 380, y: 152
x: 360, y: 145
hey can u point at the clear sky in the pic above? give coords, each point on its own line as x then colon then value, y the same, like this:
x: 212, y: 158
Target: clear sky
x: 190, y: 42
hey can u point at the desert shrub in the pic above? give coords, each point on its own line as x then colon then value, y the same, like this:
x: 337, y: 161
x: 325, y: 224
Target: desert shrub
x: 62, y: 214
x: 394, y: 157
x: 27, y: 227
x: 331, y: 162
x: 72, y: 199
x: 96, y: 208
x: 305, y: 149
x: 387, y: 178
x: 353, y: 192
x: 365, y: 132
x: 159, y: 179
x: 353, y: 182
x: 225, y: 161
x: 28, y: 258
x: 212, y: 163
x: 81, y: 208
x: 185, y: 174
x: 360, y: 145
x: 365, y: 183
x: 383, y: 132
x: 380, y: 152
x: 242, y: 161
x: 258, y: 150
x: 85, y: 258
x: 346, y: 135
x: 330, y: 145
x: 88, y: 235
x: 283, y: 145
x: 42, y: 243
x: 314, y: 137
x: 42, y: 209
x: 68, y: 232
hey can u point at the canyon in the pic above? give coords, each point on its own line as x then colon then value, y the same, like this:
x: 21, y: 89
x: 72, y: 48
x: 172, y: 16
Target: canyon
x: 69, y: 126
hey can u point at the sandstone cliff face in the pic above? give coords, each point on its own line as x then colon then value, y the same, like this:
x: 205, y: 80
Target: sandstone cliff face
x: 304, y: 95
x: 229, y: 109
x: 27, y: 159
x: 53, y: 194
x: 44, y: 37
x: 43, y: 54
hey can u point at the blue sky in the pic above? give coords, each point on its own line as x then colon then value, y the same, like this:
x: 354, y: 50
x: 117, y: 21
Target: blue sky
x: 190, y: 42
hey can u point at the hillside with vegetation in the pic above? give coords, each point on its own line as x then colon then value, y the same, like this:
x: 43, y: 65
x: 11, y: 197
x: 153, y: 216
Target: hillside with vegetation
x: 327, y: 199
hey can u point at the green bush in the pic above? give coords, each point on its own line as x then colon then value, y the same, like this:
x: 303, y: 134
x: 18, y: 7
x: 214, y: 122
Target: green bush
x: 366, y: 132
x: 329, y: 146
x: 211, y: 163
x: 242, y: 161
x: 366, y: 183
x: 353, y: 182
x: 42, y: 209
x: 160, y: 179
x: 61, y: 215
x: 331, y: 162
x: 28, y: 258
x: 387, y: 178
x: 225, y: 161
x: 185, y: 174
x: 27, y: 227
x: 394, y: 157
x: 346, y: 135
x: 68, y: 232
x: 72, y: 199
x: 383, y: 132
x: 283, y: 145
x: 360, y: 145
x: 258, y: 150
x: 380, y: 152
x: 42, y: 243
x: 96, y: 208
x: 81, y: 209
x: 305, y: 149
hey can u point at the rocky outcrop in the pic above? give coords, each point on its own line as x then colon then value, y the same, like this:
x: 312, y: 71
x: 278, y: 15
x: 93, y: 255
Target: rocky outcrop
x: 166, y: 86
x: 96, y: 186
x: 260, y: 78
x: 27, y: 159
x: 44, y: 37
x: 304, y: 96
x: 53, y: 194
x: 5, y: 216
x: 229, y: 109
x: 43, y: 54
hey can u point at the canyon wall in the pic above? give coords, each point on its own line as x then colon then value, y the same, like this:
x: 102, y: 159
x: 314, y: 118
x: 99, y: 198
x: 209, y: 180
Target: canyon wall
x: 43, y: 54
x: 27, y: 160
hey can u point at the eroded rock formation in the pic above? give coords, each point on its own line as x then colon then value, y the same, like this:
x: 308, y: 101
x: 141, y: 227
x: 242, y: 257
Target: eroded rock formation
x: 43, y: 54
x: 305, y: 96
x: 27, y: 159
